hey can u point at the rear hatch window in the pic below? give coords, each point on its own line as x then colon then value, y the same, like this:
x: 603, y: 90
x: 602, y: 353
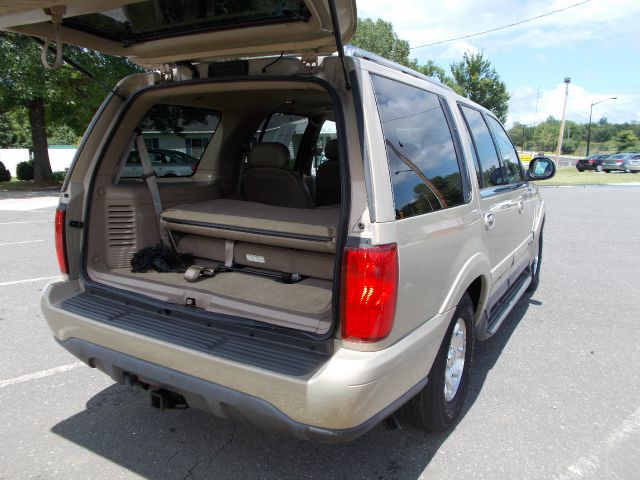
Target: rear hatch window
x: 167, y: 18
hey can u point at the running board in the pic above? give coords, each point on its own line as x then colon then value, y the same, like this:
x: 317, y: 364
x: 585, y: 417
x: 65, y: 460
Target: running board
x: 510, y: 300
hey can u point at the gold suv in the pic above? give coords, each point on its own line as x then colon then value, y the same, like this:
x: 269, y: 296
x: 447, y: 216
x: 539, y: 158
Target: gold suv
x: 347, y: 230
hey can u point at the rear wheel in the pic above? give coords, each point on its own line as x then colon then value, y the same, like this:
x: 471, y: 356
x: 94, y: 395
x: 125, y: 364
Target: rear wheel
x: 598, y: 168
x: 580, y: 169
x: 439, y: 404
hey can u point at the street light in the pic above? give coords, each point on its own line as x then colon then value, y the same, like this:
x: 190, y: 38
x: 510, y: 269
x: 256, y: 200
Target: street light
x: 589, y: 128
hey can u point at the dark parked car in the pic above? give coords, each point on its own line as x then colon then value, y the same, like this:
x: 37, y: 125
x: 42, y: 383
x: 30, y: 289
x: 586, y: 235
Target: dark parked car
x: 626, y: 162
x: 592, y: 162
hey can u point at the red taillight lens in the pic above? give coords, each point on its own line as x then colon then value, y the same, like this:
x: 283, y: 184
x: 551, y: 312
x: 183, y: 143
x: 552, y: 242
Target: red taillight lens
x: 590, y: 161
x: 369, y: 286
x: 193, y: 167
x: 61, y: 249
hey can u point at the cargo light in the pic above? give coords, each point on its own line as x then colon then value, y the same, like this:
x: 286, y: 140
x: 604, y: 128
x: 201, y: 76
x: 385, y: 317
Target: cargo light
x: 61, y: 249
x: 369, y: 292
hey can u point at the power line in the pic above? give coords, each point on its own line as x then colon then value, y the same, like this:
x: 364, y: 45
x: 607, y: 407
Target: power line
x: 502, y: 27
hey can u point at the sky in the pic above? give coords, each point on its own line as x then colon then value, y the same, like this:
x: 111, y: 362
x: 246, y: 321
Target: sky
x: 596, y: 44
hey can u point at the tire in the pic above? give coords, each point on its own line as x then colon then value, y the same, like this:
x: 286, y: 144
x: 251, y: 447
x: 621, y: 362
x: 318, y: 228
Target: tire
x: 432, y: 409
x: 598, y: 168
x: 536, y: 264
x: 580, y: 170
x: 607, y: 171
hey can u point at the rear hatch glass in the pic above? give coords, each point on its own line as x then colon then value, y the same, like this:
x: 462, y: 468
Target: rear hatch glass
x: 164, y: 18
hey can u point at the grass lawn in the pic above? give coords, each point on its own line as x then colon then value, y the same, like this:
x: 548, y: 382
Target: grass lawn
x: 571, y: 176
x: 26, y: 186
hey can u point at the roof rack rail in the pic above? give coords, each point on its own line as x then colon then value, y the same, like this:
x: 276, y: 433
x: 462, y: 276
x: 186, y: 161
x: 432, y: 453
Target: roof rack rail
x: 351, y: 51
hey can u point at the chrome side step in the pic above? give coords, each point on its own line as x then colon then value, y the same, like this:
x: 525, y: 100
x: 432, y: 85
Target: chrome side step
x: 510, y: 299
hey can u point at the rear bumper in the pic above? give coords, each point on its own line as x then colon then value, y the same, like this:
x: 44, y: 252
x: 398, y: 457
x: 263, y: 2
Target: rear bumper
x: 219, y: 400
x: 341, y: 398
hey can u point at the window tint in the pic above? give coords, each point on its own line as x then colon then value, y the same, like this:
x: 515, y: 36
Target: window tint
x: 286, y: 129
x: 512, y: 172
x: 424, y: 168
x: 485, y: 149
x: 170, y: 133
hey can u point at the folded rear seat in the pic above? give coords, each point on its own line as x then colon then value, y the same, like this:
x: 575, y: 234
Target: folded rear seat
x: 291, y: 240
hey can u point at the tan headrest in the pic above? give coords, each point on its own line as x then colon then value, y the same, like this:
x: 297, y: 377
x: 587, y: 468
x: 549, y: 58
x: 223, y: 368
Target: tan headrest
x: 269, y: 154
x: 331, y: 150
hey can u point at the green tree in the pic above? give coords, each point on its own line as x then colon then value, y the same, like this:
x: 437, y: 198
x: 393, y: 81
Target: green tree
x: 14, y: 132
x: 476, y: 80
x: 51, y: 97
x: 378, y: 37
x: 626, y: 140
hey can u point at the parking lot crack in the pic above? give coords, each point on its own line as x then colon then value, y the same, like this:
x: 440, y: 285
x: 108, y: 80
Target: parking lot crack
x: 190, y: 471
x: 228, y: 442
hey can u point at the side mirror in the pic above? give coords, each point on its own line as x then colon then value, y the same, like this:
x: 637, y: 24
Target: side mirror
x: 496, y: 176
x: 541, y: 168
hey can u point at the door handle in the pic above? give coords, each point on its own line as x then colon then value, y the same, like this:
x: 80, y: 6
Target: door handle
x: 489, y: 221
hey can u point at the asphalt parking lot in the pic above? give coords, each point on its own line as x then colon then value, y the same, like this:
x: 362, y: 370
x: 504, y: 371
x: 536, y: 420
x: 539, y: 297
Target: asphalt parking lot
x: 555, y: 394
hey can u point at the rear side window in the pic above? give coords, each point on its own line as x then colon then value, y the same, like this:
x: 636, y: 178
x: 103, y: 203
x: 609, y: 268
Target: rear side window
x: 512, y: 172
x: 424, y: 168
x: 489, y: 172
x: 176, y: 136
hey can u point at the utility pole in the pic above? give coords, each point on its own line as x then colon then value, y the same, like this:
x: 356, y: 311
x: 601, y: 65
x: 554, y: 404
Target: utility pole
x: 567, y: 80
x: 535, y: 118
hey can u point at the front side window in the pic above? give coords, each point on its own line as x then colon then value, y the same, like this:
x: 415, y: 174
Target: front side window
x: 424, y: 168
x: 512, y: 172
x: 287, y: 129
x: 327, y: 133
x: 176, y: 137
x: 489, y: 171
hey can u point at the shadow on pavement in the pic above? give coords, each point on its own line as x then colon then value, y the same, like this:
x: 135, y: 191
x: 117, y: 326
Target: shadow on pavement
x: 119, y: 425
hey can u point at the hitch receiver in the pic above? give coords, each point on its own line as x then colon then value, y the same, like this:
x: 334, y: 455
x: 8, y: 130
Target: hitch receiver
x: 164, y: 400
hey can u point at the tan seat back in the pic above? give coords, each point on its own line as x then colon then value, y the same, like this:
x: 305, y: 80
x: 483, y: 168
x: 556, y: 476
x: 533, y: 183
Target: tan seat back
x: 269, y: 181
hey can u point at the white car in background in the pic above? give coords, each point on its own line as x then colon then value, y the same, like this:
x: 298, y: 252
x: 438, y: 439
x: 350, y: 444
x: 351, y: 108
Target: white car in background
x: 166, y: 163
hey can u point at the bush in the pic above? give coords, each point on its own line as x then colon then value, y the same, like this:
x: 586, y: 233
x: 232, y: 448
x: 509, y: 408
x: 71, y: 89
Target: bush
x: 24, y: 170
x: 58, y: 177
x: 5, y: 175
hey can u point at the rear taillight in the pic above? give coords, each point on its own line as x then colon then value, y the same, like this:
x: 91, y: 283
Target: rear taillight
x: 369, y: 291
x: 61, y: 249
x: 590, y: 161
x: 193, y: 167
x: 619, y: 162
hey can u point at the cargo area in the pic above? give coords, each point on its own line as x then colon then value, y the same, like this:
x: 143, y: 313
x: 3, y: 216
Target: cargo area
x: 250, y: 186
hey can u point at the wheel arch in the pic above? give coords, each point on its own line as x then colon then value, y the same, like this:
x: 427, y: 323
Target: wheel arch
x: 474, y: 278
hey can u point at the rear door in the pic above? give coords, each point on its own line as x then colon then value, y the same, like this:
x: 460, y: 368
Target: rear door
x: 498, y: 202
x: 156, y: 32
